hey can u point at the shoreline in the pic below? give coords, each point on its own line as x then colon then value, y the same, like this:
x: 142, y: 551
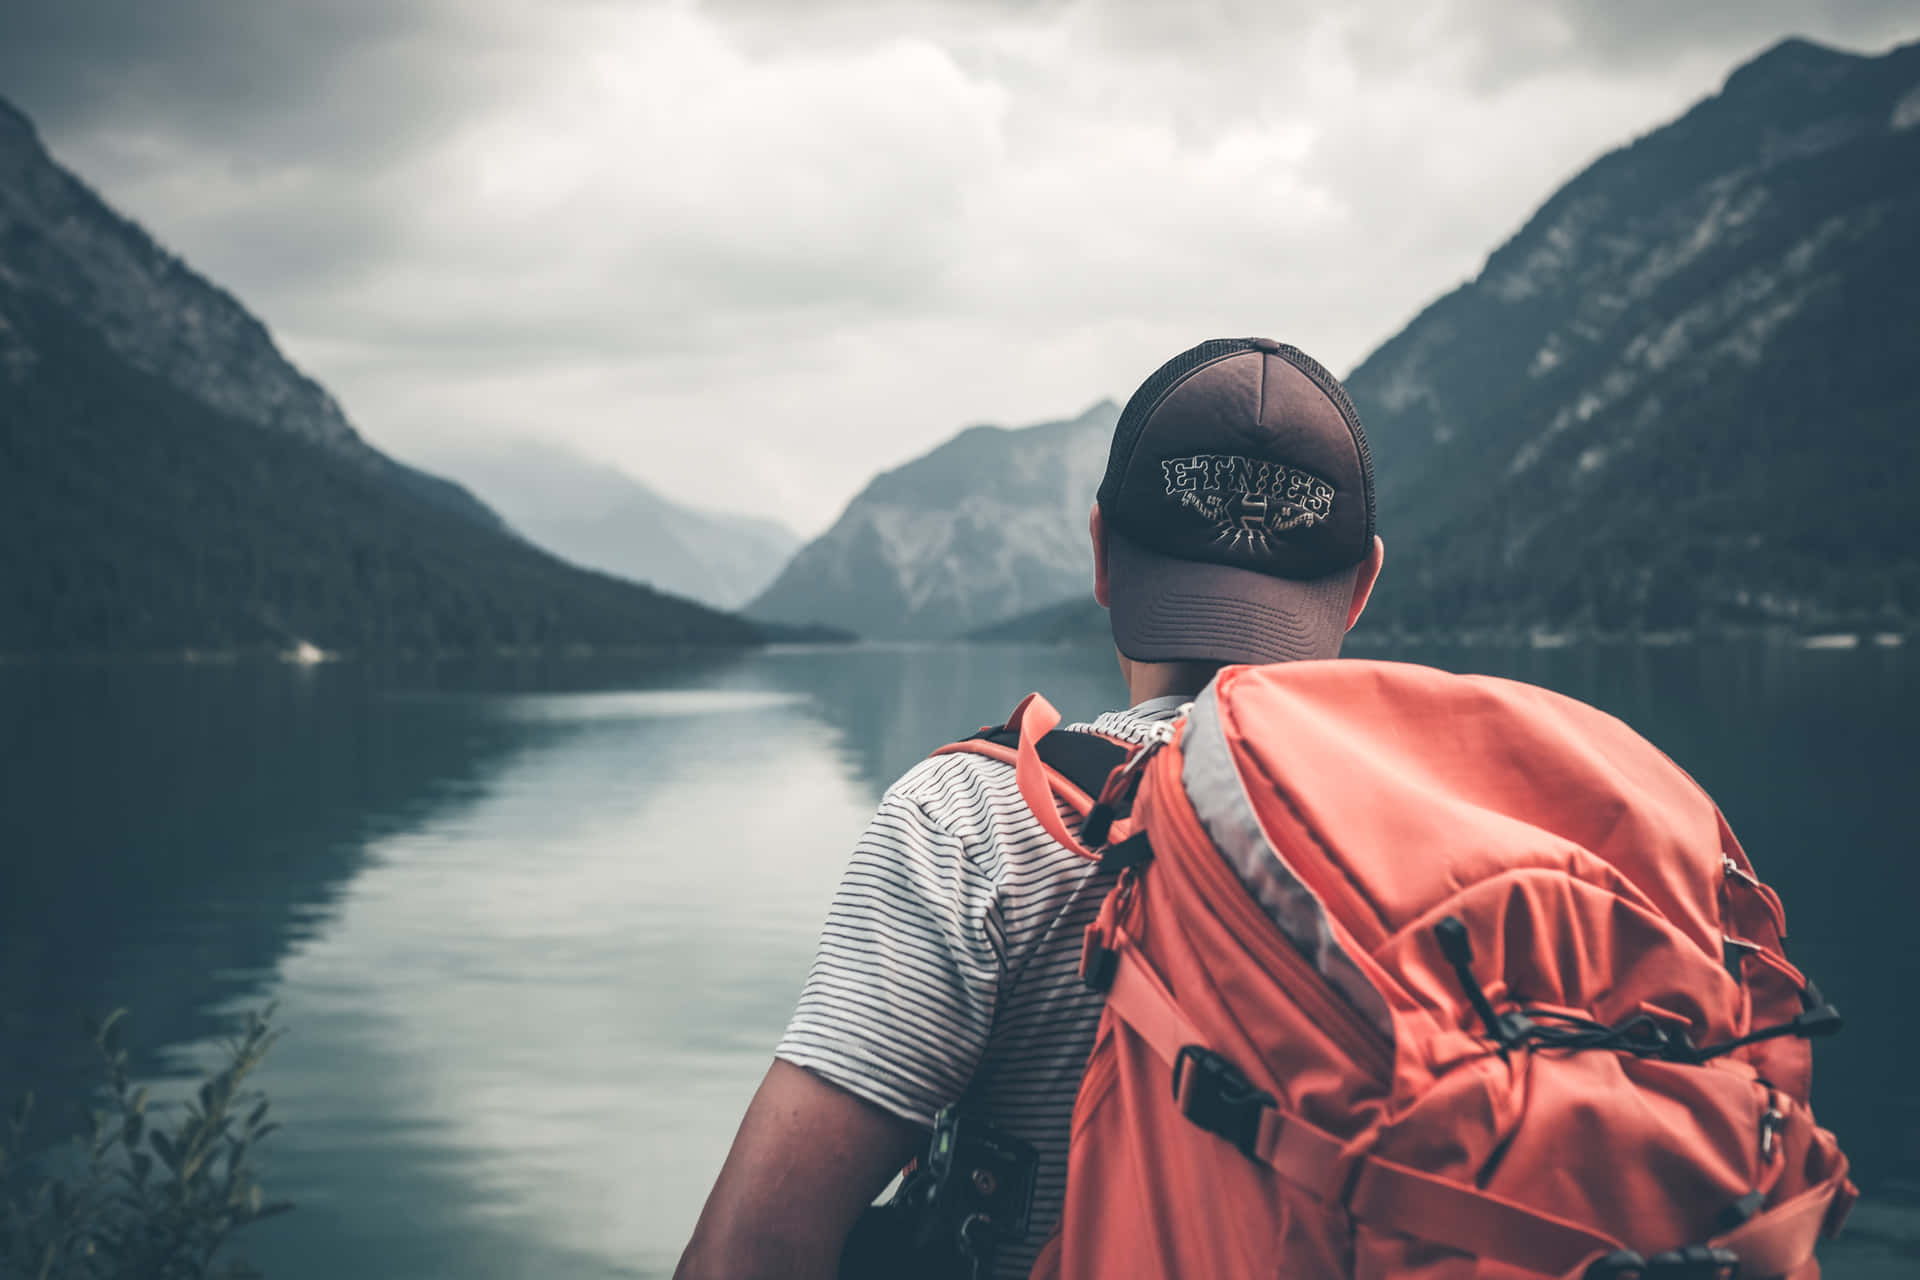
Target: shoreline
x: 305, y: 654
x: 310, y: 655
x: 1829, y: 638
x: 1836, y: 636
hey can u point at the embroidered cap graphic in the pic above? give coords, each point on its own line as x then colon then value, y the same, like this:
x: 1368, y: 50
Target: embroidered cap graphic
x: 1246, y: 500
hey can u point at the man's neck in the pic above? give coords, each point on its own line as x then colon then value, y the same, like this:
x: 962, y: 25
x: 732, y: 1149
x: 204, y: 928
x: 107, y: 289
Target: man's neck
x: 1148, y: 680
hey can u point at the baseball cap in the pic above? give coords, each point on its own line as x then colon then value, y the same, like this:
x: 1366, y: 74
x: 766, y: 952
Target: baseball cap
x: 1238, y: 502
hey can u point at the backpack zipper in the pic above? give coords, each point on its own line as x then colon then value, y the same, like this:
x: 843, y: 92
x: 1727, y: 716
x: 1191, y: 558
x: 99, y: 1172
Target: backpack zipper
x: 1125, y: 780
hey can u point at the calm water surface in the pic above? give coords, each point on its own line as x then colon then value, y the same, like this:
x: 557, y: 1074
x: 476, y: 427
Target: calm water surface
x: 535, y: 929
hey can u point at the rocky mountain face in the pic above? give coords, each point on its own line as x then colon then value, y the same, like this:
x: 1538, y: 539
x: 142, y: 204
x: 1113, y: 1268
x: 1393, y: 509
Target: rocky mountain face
x: 989, y: 525
x: 1685, y: 393
x: 164, y: 319
x: 1685, y: 396
x: 169, y: 482
x: 60, y: 240
x: 600, y: 518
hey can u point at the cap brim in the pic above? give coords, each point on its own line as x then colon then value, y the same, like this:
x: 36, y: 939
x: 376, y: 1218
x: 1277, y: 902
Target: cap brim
x: 1168, y: 610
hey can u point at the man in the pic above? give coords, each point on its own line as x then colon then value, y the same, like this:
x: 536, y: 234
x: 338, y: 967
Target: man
x: 1234, y: 524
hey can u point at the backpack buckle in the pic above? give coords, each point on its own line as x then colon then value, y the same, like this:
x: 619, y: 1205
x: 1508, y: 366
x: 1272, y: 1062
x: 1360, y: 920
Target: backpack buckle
x: 1695, y: 1262
x: 1214, y: 1094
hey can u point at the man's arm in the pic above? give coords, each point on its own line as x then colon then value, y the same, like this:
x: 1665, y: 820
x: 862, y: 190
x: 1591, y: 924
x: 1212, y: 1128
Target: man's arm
x: 892, y: 1023
x: 808, y: 1159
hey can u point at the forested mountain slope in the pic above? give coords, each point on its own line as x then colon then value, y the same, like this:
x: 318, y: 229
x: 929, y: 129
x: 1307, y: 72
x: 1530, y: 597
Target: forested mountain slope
x: 169, y: 482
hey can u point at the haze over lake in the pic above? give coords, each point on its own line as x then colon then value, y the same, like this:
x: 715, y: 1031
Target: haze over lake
x: 534, y: 930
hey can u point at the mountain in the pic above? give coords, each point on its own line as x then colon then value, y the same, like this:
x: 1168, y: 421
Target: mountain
x: 596, y: 516
x: 168, y: 481
x: 1074, y: 621
x: 159, y: 317
x: 990, y: 524
x: 1683, y: 395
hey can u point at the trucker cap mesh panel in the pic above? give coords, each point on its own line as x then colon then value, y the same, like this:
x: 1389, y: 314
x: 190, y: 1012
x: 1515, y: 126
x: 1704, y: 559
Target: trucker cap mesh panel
x: 1133, y: 418
x: 1318, y: 375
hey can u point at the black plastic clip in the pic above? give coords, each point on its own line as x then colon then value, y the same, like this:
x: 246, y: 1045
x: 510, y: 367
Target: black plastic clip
x: 1132, y: 852
x: 1621, y: 1264
x: 1098, y: 963
x: 1213, y: 1093
x: 1821, y: 1020
x: 1741, y: 1211
x: 1097, y: 968
x: 1094, y: 827
x: 1458, y: 950
x: 1695, y: 1262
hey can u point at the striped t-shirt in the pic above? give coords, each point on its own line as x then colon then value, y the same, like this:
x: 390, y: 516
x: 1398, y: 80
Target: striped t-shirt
x: 949, y: 965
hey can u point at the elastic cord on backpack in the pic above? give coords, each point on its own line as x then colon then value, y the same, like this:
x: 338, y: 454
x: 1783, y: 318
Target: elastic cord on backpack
x: 1641, y: 1035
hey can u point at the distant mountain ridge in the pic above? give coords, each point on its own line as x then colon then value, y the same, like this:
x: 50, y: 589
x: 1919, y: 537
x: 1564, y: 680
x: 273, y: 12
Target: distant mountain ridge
x: 986, y: 526
x: 1683, y: 395
x: 598, y: 517
x: 170, y: 483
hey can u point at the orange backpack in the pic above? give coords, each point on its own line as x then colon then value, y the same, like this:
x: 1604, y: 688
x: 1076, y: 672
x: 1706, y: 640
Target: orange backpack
x: 1418, y: 974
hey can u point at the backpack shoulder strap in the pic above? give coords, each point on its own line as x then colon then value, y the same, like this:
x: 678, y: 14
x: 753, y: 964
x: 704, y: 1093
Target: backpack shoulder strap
x: 1082, y: 759
x: 1075, y: 763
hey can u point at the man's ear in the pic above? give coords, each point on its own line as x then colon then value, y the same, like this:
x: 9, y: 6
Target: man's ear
x: 1363, y: 582
x: 1097, y: 530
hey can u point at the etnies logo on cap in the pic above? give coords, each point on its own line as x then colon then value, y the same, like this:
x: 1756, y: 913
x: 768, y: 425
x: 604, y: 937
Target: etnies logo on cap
x: 1246, y: 500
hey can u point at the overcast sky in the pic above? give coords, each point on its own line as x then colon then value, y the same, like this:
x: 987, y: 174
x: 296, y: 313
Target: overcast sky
x: 753, y: 250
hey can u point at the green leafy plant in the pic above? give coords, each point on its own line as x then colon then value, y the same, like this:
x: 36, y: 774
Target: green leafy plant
x: 138, y: 1198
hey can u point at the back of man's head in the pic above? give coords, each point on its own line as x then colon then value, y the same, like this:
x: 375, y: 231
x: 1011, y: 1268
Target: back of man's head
x: 1238, y: 509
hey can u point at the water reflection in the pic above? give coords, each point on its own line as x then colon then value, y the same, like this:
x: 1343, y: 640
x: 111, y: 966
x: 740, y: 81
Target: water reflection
x: 894, y: 704
x: 535, y: 928
x: 167, y: 833
x: 577, y: 979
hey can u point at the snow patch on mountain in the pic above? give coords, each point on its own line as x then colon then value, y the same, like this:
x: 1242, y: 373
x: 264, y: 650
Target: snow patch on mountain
x: 1906, y: 112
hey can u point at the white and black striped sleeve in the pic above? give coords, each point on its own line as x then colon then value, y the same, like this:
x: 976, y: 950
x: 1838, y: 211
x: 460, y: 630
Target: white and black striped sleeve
x: 899, y: 1005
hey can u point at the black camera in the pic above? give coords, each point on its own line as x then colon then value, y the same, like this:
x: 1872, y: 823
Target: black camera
x: 955, y: 1207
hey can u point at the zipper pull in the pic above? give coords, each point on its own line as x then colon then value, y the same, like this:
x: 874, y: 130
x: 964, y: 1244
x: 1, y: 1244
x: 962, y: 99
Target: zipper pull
x: 1158, y: 736
x: 1160, y: 732
x: 1772, y: 1121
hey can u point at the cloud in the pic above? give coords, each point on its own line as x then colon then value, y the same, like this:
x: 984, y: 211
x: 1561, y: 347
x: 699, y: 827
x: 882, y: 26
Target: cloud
x: 753, y: 250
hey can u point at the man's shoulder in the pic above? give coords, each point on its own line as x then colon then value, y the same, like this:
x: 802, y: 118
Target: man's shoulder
x: 972, y: 785
x: 937, y: 783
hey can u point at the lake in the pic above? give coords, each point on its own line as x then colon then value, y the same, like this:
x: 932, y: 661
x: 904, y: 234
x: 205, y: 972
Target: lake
x: 535, y: 928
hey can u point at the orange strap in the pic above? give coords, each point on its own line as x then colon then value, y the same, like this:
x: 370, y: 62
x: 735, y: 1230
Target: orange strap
x: 1309, y: 1157
x: 1064, y: 788
x: 1409, y: 1202
x: 1077, y: 800
x: 1037, y: 719
x: 1142, y: 1001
